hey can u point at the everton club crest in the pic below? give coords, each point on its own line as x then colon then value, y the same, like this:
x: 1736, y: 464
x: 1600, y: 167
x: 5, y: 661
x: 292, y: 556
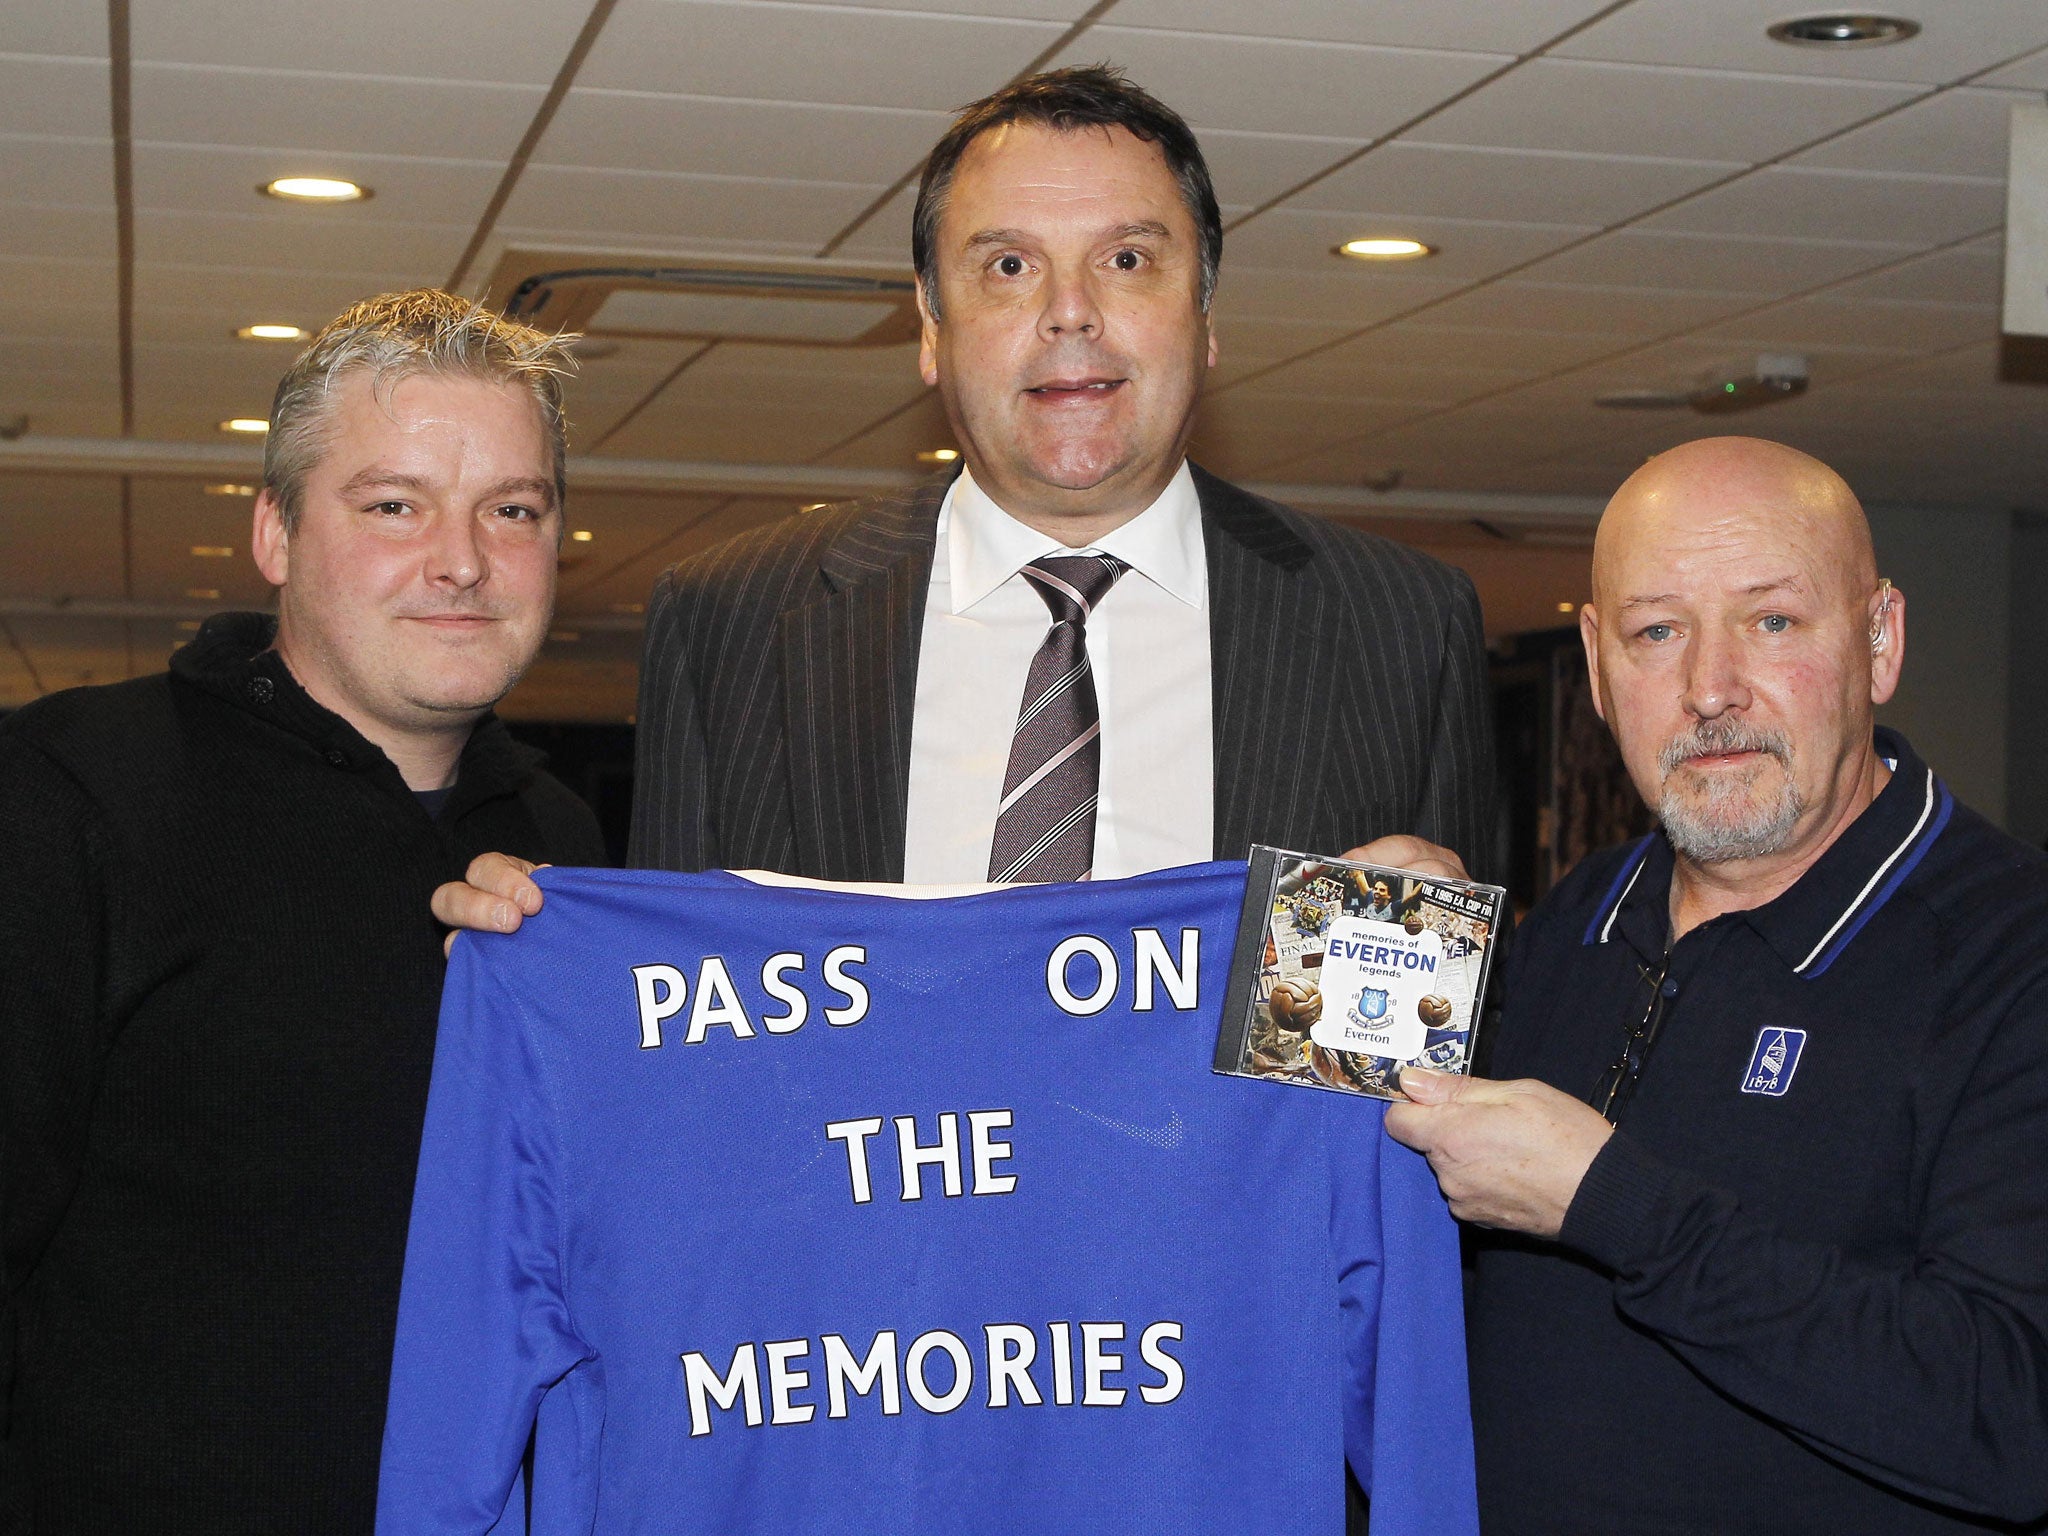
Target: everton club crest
x: 1371, y: 1005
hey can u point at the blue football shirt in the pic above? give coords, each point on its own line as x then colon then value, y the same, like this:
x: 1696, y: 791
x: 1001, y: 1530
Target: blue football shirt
x: 769, y: 1209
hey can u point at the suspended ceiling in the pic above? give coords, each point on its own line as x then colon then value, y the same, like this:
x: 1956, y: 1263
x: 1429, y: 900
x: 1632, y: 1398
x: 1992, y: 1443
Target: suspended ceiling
x: 1622, y: 195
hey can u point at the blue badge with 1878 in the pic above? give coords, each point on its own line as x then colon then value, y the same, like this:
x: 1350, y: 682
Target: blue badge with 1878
x: 1774, y: 1060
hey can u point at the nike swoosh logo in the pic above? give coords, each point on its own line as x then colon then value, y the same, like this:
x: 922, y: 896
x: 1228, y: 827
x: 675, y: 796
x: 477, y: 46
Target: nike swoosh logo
x: 1165, y: 1137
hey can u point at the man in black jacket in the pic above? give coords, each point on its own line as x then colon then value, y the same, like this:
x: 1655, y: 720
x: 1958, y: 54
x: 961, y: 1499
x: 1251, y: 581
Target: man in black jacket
x: 1772, y: 1244
x: 212, y: 1068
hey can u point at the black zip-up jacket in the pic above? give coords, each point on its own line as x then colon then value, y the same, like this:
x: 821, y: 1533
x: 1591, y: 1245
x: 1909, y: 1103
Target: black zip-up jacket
x: 1804, y: 1287
x: 219, y: 980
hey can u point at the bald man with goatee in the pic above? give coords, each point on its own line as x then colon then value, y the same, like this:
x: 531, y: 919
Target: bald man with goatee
x: 1761, y: 1184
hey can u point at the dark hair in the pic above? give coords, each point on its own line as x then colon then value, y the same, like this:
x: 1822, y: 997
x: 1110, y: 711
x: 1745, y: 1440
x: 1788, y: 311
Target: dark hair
x: 1092, y: 96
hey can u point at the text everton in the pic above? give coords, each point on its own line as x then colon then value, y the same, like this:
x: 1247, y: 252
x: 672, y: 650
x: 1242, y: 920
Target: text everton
x: 1365, y: 952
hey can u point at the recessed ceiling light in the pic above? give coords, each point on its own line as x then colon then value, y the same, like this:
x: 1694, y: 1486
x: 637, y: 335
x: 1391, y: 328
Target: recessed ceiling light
x: 204, y: 594
x: 314, y: 189
x: 582, y: 535
x: 1567, y: 607
x: 214, y: 551
x: 271, y: 332
x: 938, y: 456
x: 230, y: 488
x: 1844, y: 31
x: 1387, y: 249
x: 245, y: 424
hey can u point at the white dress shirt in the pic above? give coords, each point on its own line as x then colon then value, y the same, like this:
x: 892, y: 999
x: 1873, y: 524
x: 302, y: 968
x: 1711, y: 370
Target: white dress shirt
x: 1148, y: 645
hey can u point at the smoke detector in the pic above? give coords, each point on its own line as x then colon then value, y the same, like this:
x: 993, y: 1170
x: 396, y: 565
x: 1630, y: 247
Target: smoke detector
x: 1761, y: 379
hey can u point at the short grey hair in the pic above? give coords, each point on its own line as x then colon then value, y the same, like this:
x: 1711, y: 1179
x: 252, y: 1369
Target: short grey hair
x: 395, y: 335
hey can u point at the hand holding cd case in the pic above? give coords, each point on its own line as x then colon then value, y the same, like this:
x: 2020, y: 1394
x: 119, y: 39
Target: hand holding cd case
x: 1345, y: 973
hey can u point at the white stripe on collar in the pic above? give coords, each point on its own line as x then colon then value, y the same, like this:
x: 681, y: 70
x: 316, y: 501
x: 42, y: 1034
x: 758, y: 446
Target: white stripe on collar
x: 1926, y: 811
x: 1608, y: 927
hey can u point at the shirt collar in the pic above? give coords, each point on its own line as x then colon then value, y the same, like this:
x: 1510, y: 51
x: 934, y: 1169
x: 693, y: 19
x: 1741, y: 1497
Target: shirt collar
x: 985, y: 546
x: 1810, y: 924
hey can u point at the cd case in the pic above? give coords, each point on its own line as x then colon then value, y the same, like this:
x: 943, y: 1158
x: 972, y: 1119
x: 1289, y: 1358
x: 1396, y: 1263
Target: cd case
x: 1345, y: 973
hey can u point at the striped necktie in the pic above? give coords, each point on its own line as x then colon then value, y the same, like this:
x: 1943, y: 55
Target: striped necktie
x: 1045, y: 826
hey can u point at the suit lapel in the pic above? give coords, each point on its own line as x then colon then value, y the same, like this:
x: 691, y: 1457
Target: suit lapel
x: 849, y: 670
x: 1268, y: 658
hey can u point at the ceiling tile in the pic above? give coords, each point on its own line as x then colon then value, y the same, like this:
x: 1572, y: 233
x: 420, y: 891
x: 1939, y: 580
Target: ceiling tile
x: 584, y: 206
x: 77, y: 28
x: 1345, y: 293
x: 705, y: 425
x: 885, y: 236
x: 68, y: 233
x: 1801, y: 203
x: 1425, y: 344
x: 1956, y: 38
x: 56, y: 171
x: 1360, y: 368
x: 63, y: 535
x: 1710, y: 263
x: 331, y: 114
x: 1515, y: 305
x: 1245, y: 340
x: 54, y: 96
x: 28, y: 284
x: 1680, y: 114
x: 1466, y: 250
x: 895, y: 442
x: 1270, y: 86
x: 87, y: 321
x: 1250, y: 168
x: 312, y: 242
x: 1026, y: 10
x: 1257, y: 436
x: 1507, y: 185
x: 2027, y: 74
x: 826, y: 54
x: 1968, y: 274
x: 185, y: 178
x: 63, y: 409
x: 503, y: 40
x: 97, y: 358
x: 1833, y: 321
x: 632, y: 130
x: 319, y: 296
x: 1957, y: 133
x: 1481, y: 25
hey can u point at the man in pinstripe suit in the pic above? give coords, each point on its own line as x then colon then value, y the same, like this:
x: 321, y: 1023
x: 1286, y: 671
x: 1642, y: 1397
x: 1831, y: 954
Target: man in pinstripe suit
x: 836, y: 696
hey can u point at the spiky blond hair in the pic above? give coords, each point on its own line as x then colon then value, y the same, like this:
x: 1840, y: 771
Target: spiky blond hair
x: 395, y: 335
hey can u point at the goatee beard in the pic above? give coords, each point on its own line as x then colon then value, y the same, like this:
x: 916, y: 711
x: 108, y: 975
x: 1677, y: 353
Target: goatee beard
x: 1724, y: 821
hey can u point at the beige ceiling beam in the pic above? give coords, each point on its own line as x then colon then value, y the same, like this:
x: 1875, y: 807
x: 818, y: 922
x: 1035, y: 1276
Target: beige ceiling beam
x: 134, y: 456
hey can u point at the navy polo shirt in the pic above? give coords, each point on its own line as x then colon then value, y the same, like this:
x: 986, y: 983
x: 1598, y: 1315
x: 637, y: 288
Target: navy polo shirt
x: 1804, y: 1287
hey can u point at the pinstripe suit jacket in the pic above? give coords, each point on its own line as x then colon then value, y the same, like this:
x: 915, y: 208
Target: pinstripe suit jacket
x: 781, y: 668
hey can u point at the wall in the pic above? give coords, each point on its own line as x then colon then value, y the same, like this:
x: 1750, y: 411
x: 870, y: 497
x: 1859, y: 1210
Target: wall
x: 1954, y: 566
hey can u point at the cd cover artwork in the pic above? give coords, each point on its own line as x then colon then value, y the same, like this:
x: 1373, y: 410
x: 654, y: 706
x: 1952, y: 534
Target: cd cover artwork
x: 1345, y: 973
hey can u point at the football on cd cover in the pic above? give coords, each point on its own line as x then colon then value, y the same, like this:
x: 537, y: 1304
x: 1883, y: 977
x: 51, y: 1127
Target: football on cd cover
x: 1345, y: 973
